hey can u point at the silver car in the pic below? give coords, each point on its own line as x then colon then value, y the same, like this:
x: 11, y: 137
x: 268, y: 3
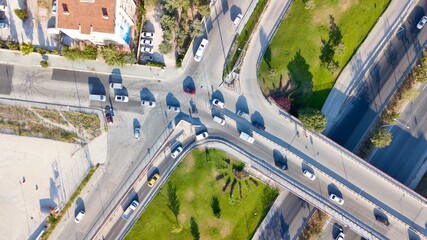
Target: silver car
x: 309, y: 175
x: 218, y: 103
x: 121, y: 98
x: 336, y: 199
x: 422, y: 22
x: 177, y: 151
x: 174, y: 108
x: 137, y: 133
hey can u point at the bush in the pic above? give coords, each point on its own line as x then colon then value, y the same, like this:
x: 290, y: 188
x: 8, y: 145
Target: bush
x: 88, y: 53
x: 381, y: 138
x: 42, y: 51
x: 12, y: 45
x: 22, y: 14
x: 113, y: 56
x: 313, y: 119
x: 27, y: 48
x: 44, y: 64
x: 165, y: 47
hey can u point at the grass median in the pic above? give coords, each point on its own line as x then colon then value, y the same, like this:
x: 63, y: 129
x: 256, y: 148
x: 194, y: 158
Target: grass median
x: 208, y: 196
x: 313, y: 44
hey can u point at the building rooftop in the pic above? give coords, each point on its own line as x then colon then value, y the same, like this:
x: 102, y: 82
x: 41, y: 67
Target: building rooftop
x: 86, y: 14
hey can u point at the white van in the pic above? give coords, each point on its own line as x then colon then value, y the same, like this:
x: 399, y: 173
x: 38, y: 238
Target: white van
x: 246, y: 137
x: 114, y: 85
x: 201, y: 50
x: 96, y: 97
x: 219, y: 120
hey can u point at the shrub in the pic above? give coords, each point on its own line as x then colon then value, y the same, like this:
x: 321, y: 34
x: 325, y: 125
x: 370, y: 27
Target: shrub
x: 42, y: 50
x: 88, y: 53
x: 381, y: 138
x: 165, y: 47
x: 313, y: 119
x: 22, y: 14
x: 113, y: 56
x: 12, y: 45
x: 27, y: 48
x: 44, y: 64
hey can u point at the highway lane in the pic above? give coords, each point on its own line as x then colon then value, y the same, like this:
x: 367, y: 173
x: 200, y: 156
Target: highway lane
x: 379, y: 81
x: 408, y: 151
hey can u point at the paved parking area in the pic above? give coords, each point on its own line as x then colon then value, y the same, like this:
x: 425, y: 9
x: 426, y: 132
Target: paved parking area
x: 35, y: 180
x: 34, y: 28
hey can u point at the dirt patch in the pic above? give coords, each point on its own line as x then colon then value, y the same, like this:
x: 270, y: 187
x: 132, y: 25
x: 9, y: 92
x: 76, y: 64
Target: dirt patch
x: 321, y: 14
x: 189, y: 196
x: 221, y: 226
x: 346, y: 4
x: 182, y: 218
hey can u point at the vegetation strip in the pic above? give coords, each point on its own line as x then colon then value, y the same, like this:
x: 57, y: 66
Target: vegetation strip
x: 54, y: 219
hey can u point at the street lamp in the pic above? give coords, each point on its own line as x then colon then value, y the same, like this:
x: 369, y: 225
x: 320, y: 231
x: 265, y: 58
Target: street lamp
x: 398, y: 122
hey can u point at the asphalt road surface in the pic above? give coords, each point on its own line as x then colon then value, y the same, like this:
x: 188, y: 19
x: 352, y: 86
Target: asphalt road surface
x: 379, y: 81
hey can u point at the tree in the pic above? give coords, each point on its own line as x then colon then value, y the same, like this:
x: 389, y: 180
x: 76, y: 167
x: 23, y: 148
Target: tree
x: 381, y: 138
x: 167, y: 22
x: 165, y: 47
x: 44, y: 64
x: 27, y: 48
x: 204, y: 10
x: 21, y: 14
x: 170, y: 6
x: 182, y: 35
x: 410, y: 94
x: 196, y: 28
x: 313, y: 119
x: 12, y: 45
x: 113, y: 56
x: 173, y: 202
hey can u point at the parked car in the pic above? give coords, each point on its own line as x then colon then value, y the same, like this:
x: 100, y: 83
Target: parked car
x: 340, y: 235
x: 147, y: 34
x: 244, y: 115
x: 174, y: 108
x: 382, y: 220
x: 153, y: 180
x: 79, y: 216
x: 121, y: 98
x: 336, y: 199
x: 238, y: 19
x: 309, y: 174
x: 54, y: 7
x: 147, y: 42
x: 147, y: 58
x: 190, y: 91
x: 258, y: 125
x: 2, y: 14
x: 218, y: 103
x: 177, y: 151
x: 109, y: 118
x: 147, y: 50
x: 422, y: 22
x: 137, y: 133
x: 4, y: 25
x: 147, y: 103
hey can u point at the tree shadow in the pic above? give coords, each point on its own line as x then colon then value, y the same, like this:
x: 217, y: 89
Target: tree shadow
x: 173, y: 202
x: 299, y: 73
x: 216, y: 209
x: 335, y: 35
x: 194, y: 229
x: 267, y: 56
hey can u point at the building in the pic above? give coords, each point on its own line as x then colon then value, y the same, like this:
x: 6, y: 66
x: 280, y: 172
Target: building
x: 101, y: 22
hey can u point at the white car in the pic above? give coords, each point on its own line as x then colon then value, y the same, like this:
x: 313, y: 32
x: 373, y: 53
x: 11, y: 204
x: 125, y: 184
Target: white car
x: 218, y: 103
x: 147, y: 34
x: 147, y: 50
x: 147, y: 103
x: 202, y: 136
x: 309, y: 175
x: 177, y: 151
x: 219, y: 120
x: 121, y: 98
x: 244, y: 115
x: 336, y: 199
x: 147, y: 42
x: 238, y: 19
x: 422, y: 22
x: 137, y: 133
x: 79, y: 216
x: 201, y: 50
x: 54, y: 7
x: 174, y: 108
x: 340, y: 236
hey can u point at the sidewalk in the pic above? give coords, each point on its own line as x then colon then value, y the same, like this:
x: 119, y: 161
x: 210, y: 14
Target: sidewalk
x: 59, y: 62
x: 349, y: 78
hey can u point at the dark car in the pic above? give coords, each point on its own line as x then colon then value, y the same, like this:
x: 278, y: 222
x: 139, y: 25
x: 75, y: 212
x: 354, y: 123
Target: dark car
x: 258, y: 125
x: 382, y: 220
x: 190, y: 91
x: 109, y: 118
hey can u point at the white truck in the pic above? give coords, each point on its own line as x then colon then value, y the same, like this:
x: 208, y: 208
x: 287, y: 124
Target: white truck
x: 246, y: 137
x: 132, y: 207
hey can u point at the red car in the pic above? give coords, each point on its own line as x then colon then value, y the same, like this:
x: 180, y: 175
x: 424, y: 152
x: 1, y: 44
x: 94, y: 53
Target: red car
x: 109, y: 118
x: 190, y: 91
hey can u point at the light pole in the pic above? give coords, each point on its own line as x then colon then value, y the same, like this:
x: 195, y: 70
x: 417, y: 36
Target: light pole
x: 398, y: 122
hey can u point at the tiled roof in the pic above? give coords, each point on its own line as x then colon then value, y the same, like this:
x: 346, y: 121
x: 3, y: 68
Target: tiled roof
x: 98, y: 14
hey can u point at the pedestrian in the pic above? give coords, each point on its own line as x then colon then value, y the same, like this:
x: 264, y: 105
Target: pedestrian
x: 23, y: 179
x: 37, y: 187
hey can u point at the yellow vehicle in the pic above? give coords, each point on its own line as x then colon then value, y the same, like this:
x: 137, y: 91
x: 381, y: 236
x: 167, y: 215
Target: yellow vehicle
x: 153, y: 180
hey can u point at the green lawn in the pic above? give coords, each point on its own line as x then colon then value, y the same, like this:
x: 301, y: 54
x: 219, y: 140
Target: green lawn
x: 296, y: 48
x: 198, y: 193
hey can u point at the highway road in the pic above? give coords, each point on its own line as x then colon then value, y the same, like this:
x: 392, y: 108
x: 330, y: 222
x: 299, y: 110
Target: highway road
x: 379, y: 82
x: 364, y: 189
x: 408, y: 151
